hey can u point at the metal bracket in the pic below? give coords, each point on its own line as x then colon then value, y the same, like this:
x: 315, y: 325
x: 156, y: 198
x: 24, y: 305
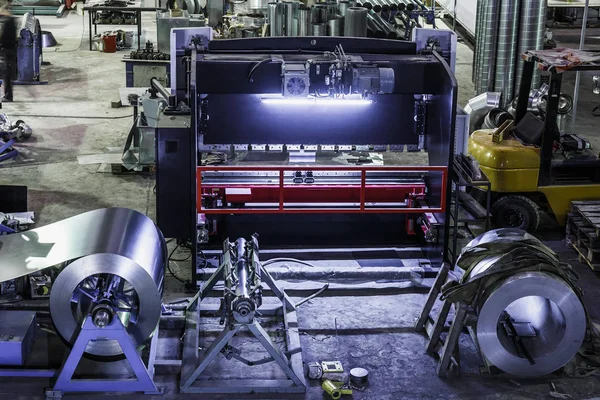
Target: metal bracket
x: 113, y: 331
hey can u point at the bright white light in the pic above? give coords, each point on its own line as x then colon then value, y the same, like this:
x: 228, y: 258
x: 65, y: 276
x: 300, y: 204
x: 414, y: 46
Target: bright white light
x: 317, y: 101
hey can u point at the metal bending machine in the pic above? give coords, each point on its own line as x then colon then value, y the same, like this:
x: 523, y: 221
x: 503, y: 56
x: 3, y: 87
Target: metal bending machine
x: 323, y: 142
x: 328, y: 141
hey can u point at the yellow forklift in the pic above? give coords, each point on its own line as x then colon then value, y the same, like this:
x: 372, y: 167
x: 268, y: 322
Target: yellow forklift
x: 536, y: 168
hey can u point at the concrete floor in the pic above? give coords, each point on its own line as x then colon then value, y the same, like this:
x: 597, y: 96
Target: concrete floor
x: 71, y: 116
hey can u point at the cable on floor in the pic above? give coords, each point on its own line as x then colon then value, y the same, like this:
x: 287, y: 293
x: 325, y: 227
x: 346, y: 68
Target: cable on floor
x: 57, y: 50
x: 69, y: 116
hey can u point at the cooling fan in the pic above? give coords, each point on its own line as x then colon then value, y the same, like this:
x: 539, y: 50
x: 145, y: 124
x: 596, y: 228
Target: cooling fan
x: 295, y: 86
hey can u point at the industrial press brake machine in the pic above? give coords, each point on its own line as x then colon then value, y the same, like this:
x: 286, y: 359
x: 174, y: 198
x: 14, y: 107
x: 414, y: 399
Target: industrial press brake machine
x: 327, y: 142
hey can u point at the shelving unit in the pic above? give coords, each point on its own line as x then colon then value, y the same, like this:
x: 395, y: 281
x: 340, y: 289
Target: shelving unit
x: 465, y: 210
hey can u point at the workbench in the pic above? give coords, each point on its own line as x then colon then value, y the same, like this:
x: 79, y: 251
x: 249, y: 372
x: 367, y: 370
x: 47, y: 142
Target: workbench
x: 92, y: 11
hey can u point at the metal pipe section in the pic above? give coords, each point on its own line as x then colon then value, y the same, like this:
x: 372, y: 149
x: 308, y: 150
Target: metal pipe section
x: 506, y: 52
x: 319, y: 29
x: 335, y: 26
x: 531, y: 35
x: 530, y: 319
x: 304, y: 24
x: 164, y: 92
x: 288, y: 26
x: 578, y: 74
x: 275, y: 19
x: 343, y: 7
x: 355, y: 23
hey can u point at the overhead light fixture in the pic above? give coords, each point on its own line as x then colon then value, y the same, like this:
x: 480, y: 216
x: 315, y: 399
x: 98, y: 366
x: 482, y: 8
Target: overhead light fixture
x: 317, y: 101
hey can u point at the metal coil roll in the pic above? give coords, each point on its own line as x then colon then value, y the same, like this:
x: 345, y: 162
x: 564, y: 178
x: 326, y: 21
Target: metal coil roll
x: 115, y: 266
x: 531, y: 300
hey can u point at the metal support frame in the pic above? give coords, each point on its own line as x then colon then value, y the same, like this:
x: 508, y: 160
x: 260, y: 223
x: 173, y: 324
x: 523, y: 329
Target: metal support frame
x: 113, y: 331
x: 194, y: 364
x: 7, y: 151
x: 446, y: 349
x: 143, y: 381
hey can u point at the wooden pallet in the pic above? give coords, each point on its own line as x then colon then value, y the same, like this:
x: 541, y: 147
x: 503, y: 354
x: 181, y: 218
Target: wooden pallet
x: 583, y: 231
x: 589, y: 211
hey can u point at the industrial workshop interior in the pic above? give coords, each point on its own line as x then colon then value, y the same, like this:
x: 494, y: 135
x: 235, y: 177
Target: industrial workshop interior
x: 283, y: 199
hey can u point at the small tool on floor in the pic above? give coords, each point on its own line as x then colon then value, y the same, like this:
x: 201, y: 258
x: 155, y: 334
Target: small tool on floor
x: 335, y: 389
x: 555, y: 394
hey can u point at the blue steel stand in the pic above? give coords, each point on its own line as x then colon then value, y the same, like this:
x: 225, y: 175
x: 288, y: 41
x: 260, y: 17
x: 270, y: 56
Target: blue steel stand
x: 194, y: 364
x: 113, y: 331
x: 7, y: 151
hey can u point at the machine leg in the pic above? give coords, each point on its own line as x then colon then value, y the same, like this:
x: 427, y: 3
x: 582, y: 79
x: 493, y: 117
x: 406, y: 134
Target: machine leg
x: 432, y: 297
x: 451, y: 342
x: 209, y: 355
x: 265, y: 340
x: 114, y: 331
x: 268, y: 279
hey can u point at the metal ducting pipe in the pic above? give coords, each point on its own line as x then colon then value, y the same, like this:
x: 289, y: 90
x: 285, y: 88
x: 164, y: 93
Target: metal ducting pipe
x: 530, y: 317
x: 506, y: 50
x: 335, y: 26
x: 531, y: 35
x: 478, y: 107
x: 288, y: 25
x: 390, y: 32
x: 304, y: 25
x: 491, y: 10
x: 275, y: 19
x: 343, y: 6
x: 319, y: 14
x: 355, y: 23
x: 478, y: 42
x: 319, y: 30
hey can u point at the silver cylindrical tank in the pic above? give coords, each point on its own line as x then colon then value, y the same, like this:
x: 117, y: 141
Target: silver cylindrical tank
x: 355, y: 23
x: 538, y: 304
x: 275, y: 19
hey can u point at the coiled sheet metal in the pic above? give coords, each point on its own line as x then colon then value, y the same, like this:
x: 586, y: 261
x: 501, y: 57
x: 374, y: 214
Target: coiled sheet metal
x: 113, y: 248
x: 530, y: 317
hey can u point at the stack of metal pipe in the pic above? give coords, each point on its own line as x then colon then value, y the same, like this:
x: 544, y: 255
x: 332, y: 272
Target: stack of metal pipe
x: 500, y: 41
x: 391, y: 19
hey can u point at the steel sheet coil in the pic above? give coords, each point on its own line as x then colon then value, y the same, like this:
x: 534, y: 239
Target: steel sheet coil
x: 535, y: 299
x: 115, y: 244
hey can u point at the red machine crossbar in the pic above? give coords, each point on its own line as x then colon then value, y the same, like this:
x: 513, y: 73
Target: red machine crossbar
x: 283, y: 193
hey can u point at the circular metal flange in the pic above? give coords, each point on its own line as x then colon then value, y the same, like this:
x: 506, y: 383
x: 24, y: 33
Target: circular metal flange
x: 548, y: 307
x: 65, y: 293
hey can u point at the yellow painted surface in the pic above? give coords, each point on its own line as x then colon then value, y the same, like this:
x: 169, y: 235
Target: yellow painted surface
x: 560, y: 197
x: 508, y: 154
x: 510, y: 166
x: 512, y: 180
